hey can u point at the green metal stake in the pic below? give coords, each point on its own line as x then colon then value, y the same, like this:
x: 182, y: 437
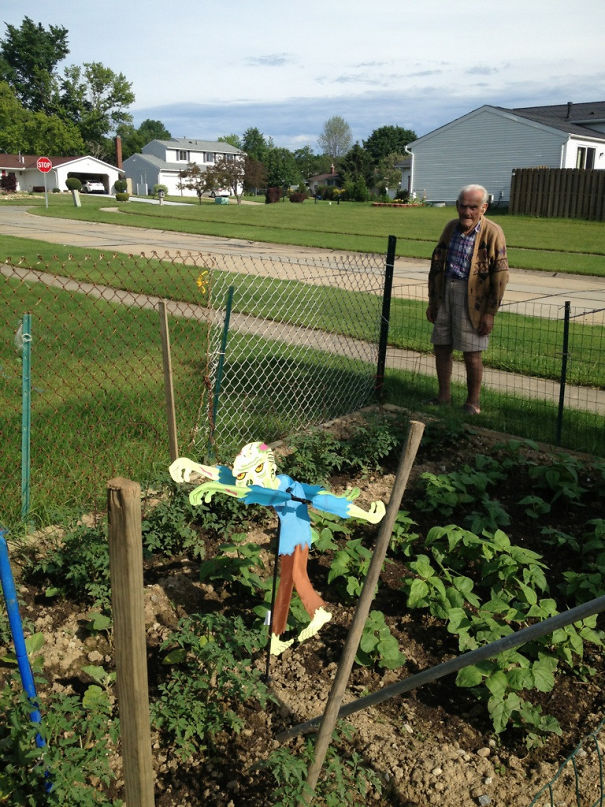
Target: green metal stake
x: 26, y: 335
x: 221, y: 360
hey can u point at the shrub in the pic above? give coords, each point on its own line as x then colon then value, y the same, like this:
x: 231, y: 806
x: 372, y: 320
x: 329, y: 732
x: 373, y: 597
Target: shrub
x: 120, y: 185
x: 296, y: 196
x: 159, y: 187
x: 8, y: 183
x: 73, y: 184
x: 122, y: 197
x: 56, y: 190
x: 272, y: 195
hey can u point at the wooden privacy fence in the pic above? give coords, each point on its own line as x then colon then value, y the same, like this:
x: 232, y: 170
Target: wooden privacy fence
x: 574, y: 193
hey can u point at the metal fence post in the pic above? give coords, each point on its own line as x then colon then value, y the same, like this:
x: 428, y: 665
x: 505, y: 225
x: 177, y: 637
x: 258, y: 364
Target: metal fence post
x: 563, y: 372
x: 386, y: 314
x: 26, y: 397
x: 168, y: 381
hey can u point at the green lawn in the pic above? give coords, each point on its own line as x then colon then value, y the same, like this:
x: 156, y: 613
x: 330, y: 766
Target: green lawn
x: 522, y: 344
x: 554, y: 245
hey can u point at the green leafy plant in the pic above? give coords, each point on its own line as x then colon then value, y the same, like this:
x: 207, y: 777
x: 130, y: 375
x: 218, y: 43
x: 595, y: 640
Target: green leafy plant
x: 238, y: 561
x: 77, y: 566
x: 166, y: 530
x: 345, y: 780
x: 210, y: 677
x: 378, y: 645
x: 79, y: 739
x: 352, y: 563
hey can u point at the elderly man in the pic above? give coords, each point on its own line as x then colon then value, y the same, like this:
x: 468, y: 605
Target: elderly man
x: 467, y: 278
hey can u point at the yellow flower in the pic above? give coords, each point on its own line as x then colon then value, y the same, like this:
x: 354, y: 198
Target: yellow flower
x: 202, y: 281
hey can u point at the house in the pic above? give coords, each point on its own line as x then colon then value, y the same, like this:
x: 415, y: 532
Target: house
x: 485, y: 146
x: 328, y: 180
x: 162, y: 161
x: 20, y: 171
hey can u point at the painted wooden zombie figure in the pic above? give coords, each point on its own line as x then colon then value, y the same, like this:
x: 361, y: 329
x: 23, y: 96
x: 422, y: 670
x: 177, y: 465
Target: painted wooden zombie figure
x: 254, y: 480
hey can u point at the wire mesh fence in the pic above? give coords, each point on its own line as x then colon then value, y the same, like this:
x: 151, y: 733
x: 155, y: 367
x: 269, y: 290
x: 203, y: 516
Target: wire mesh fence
x: 544, y: 368
x: 260, y: 347
x: 301, y: 347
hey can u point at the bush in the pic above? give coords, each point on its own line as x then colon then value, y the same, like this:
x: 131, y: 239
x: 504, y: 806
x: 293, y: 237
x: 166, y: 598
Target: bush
x: 122, y: 197
x: 8, y: 183
x: 157, y: 188
x: 73, y: 184
x: 272, y: 195
x: 120, y: 185
x: 402, y: 196
x: 296, y: 196
x: 56, y: 190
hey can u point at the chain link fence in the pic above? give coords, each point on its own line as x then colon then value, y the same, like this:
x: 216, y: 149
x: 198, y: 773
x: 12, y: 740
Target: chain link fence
x: 544, y: 373
x: 299, y: 347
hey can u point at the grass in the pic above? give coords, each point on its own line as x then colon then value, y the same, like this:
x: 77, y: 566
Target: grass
x: 553, y: 245
x: 521, y: 344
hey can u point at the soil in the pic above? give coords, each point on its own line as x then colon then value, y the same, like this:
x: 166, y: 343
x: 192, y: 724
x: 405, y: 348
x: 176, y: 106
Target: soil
x: 433, y: 746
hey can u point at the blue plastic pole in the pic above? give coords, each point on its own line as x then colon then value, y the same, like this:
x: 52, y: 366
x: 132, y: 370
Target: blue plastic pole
x: 26, y: 414
x: 14, y: 619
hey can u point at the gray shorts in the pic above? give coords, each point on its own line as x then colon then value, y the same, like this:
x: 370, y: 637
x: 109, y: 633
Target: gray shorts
x: 452, y: 324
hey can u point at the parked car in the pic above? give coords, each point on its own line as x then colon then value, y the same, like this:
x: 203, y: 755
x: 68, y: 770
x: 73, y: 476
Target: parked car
x: 92, y: 186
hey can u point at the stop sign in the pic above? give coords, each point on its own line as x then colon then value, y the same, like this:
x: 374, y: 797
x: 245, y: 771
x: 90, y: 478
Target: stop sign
x: 44, y: 165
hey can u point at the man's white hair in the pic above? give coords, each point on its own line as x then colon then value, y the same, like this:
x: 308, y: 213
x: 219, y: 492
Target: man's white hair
x: 473, y: 189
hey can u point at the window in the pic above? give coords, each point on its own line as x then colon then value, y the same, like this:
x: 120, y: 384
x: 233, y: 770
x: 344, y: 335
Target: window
x: 209, y: 157
x: 182, y: 156
x: 585, y: 157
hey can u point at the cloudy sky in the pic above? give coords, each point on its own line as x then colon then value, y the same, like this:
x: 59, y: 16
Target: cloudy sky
x: 207, y: 68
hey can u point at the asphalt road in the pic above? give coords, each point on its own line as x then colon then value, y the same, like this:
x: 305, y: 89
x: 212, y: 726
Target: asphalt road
x: 534, y: 293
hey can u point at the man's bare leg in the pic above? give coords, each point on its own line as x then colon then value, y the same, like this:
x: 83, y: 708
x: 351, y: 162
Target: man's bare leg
x: 474, y: 375
x: 443, y: 363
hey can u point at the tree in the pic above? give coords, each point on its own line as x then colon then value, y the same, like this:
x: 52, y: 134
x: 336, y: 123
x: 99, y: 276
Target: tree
x: 336, y: 137
x: 256, y: 145
x: 49, y: 134
x: 388, y: 172
x: 12, y: 120
x: 30, y: 55
x: 194, y: 179
x: 309, y: 163
x: 255, y: 175
x: 227, y: 173
x: 388, y: 140
x: 282, y: 170
x: 355, y: 164
x: 134, y: 139
x: 232, y: 139
x: 95, y: 98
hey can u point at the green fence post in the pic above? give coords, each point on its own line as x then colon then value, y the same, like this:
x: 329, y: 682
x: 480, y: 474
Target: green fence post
x: 563, y: 372
x: 26, y: 336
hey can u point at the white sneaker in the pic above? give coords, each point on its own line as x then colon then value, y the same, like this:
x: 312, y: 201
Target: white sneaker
x: 320, y: 617
x: 277, y: 646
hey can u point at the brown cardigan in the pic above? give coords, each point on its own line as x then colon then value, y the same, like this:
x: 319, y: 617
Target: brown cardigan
x: 488, y: 273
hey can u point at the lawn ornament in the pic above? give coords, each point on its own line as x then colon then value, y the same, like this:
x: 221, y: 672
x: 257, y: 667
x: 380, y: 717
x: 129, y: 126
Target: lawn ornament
x: 254, y: 480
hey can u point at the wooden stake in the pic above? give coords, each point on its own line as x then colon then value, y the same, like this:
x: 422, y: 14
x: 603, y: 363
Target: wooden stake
x: 168, y: 385
x: 363, y: 608
x: 126, y: 569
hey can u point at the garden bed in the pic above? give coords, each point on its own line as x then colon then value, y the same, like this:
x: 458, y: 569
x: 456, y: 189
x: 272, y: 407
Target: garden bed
x: 441, y: 743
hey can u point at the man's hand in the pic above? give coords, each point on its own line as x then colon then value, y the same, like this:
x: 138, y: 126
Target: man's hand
x: 486, y: 325
x: 373, y: 515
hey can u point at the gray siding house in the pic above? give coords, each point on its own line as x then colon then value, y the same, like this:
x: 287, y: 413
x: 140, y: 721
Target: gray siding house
x: 161, y: 162
x: 485, y: 146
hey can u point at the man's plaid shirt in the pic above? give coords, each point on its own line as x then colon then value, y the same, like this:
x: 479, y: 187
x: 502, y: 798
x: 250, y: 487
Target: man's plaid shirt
x: 460, y: 252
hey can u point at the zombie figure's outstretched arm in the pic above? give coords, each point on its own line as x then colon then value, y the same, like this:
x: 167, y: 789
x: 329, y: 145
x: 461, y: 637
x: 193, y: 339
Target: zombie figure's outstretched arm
x: 183, y: 468
x: 345, y: 507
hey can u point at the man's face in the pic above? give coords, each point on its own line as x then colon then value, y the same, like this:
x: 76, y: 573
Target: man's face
x: 470, y: 209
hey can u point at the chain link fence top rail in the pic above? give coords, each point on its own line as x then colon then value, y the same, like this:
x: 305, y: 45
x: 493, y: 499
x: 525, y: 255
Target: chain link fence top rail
x: 301, y: 347
x: 523, y: 364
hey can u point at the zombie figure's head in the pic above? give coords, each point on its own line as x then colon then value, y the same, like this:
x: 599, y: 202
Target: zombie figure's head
x: 255, y: 465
